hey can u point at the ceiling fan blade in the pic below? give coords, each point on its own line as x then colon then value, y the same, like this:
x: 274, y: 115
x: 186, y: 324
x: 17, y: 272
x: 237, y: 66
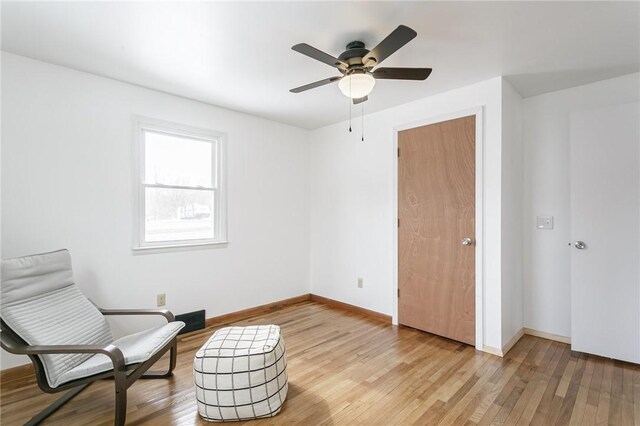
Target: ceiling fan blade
x: 314, y: 85
x: 394, y: 41
x: 402, y: 73
x: 357, y: 101
x: 319, y: 55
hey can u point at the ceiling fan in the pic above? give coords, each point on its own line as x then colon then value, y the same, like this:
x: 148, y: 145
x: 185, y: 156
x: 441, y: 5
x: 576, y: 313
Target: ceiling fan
x: 357, y: 65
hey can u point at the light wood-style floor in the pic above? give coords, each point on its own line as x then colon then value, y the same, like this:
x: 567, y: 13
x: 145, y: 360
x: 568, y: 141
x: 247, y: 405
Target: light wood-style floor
x: 345, y: 370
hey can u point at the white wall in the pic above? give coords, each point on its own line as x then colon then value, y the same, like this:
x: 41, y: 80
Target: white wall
x: 66, y: 182
x: 512, y: 302
x: 353, y: 203
x: 546, y: 139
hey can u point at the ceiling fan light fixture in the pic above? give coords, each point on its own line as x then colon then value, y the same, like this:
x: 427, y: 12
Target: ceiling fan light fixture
x: 356, y: 85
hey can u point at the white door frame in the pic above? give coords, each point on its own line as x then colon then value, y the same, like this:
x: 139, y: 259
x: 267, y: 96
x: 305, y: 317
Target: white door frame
x: 479, y: 237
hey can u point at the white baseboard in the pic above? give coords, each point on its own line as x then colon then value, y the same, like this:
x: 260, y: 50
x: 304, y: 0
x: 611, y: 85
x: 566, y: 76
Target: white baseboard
x: 511, y: 343
x: 548, y: 336
x: 493, y: 351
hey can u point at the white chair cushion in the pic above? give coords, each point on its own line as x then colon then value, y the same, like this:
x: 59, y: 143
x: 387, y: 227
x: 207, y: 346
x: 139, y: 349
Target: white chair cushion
x: 136, y: 348
x: 41, y: 303
x: 241, y: 373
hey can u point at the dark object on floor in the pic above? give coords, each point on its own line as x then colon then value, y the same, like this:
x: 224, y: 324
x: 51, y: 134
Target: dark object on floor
x: 193, y: 321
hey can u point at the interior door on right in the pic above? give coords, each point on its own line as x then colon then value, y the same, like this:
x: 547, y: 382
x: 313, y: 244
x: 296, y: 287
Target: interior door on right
x: 605, y: 230
x: 436, y: 234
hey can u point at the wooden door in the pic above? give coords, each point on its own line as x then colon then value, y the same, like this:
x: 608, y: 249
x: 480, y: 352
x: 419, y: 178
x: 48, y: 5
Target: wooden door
x: 436, y: 211
x: 605, y: 216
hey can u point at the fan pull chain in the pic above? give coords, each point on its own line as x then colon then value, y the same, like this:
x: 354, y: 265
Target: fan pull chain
x: 362, y: 121
x: 350, y: 105
x: 349, y: 114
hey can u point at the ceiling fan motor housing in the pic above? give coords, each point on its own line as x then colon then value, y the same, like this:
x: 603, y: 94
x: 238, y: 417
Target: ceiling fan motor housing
x: 354, y: 53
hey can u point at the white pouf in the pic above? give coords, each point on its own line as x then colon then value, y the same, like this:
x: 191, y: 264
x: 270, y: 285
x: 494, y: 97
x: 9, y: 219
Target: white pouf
x: 241, y: 374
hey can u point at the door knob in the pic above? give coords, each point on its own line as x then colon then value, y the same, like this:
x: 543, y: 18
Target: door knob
x: 580, y: 245
x: 467, y: 241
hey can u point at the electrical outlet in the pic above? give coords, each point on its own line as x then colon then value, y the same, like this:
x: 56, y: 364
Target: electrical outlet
x: 161, y: 299
x: 360, y: 282
x: 544, y: 222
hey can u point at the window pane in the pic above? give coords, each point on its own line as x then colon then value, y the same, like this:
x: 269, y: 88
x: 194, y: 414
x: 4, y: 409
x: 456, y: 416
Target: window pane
x: 178, y: 214
x: 176, y: 160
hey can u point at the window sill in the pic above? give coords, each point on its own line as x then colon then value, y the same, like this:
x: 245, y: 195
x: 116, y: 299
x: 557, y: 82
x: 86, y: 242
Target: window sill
x: 178, y: 247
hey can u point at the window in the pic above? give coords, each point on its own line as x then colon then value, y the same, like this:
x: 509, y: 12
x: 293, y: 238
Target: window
x: 180, y: 192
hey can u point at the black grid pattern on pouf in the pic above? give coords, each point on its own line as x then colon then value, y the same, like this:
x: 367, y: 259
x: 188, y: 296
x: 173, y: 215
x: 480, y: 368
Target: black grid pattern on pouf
x: 241, y: 374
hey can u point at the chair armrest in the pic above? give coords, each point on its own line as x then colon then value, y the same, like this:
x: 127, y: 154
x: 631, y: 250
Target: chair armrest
x: 164, y: 312
x: 11, y: 345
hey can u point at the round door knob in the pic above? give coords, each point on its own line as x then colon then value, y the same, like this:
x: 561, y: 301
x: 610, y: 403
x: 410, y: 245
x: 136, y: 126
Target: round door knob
x: 467, y: 241
x: 580, y: 245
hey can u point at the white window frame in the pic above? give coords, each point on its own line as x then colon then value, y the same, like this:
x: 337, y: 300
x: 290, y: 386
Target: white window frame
x: 218, y: 152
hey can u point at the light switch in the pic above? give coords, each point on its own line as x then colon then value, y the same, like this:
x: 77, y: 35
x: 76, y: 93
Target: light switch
x: 544, y: 222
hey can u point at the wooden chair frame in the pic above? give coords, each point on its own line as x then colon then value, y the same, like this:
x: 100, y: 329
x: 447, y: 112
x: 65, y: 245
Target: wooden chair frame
x: 124, y: 375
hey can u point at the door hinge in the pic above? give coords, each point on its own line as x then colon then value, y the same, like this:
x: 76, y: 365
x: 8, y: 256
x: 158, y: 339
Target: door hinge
x: 398, y: 292
x: 398, y: 152
x: 398, y: 222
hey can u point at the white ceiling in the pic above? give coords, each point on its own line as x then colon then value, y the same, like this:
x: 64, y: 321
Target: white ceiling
x: 237, y: 55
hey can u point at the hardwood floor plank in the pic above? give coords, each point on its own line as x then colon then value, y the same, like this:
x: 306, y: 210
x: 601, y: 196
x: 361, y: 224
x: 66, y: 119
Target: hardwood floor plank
x: 538, y: 384
x: 627, y: 396
x: 602, y: 415
x: 558, y: 364
x: 569, y: 400
x: 636, y: 395
x: 563, y: 386
x: 525, y: 373
x: 580, y: 406
x: 505, y: 399
x: 486, y: 410
x: 615, y: 407
x: 464, y: 407
x: 594, y: 386
x: 346, y: 369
